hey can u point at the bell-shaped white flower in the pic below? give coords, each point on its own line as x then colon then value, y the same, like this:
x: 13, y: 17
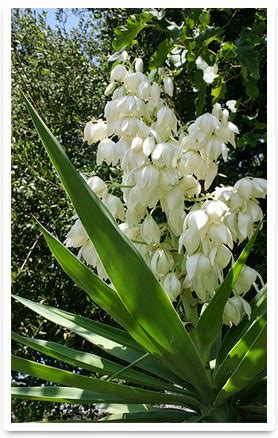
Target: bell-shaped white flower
x: 163, y: 154
x: 118, y: 73
x: 115, y: 206
x: 88, y: 253
x: 144, y: 90
x: 133, y: 233
x: 245, y: 280
x: 235, y: 309
x: 166, y: 118
x: 95, y: 132
x: 209, y: 73
x: 168, y: 86
x: 147, y: 177
x: 136, y: 214
x: 172, y: 285
x: 196, y: 265
x: 222, y: 257
x: 251, y: 187
x: 98, y: 186
x: 175, y: 221
x: 77, y: 235
x: 173, y: 200
x: 129, y: 126
x: 215, y: 210
x: 220, y: 235
x: 133, y: 80
x: 169, y: 177
x: 133, y: 159
x: 191, y: 162
x: 197, y: 220
x: 244, y: 224
x: 106, y: 152
x: 254, y: 210
x: 231, y: 104
x: 216, y: 147
x: 190, y: 240
x: 205, y: 285
x: 190, y: 185
x: 150, y: 231
x: 162, y: 262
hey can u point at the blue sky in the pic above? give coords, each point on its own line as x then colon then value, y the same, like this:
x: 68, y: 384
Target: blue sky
x: 51, y: 19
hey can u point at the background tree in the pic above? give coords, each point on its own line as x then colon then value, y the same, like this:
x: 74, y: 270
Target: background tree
x: 65, y: 72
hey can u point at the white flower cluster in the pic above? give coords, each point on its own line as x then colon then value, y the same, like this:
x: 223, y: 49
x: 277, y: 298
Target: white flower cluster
x: 184, y: 233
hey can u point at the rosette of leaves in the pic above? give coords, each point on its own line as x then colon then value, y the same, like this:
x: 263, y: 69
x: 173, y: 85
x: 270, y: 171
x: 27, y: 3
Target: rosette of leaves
x: 153, y: 369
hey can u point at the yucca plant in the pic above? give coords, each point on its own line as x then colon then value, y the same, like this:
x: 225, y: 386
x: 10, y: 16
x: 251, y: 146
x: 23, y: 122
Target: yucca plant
x: 181, y: 375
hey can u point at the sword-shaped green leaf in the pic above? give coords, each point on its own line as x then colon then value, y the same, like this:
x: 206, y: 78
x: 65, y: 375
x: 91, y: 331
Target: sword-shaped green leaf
x: 100, y: 292
x: 232, y: 359
x: 92, y: 362
x: 103, y: 391
x: 252, y: 364
x: 110, y: 339
x: 142, y: 294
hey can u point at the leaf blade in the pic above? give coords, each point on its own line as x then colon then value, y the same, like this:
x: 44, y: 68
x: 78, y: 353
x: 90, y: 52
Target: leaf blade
x: 252, y: 364
x: 103, y: 391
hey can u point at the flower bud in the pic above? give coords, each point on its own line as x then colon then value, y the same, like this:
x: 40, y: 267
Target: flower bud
x: 155, y: 93
x: 148, y: 145
x: 139, y: 65
x: 161, y: 263
x: 98, y: 186
x: 109, y: 89
x: 150, y: 231
x: 168, y: 86
x: 136, y: 144
x: 95, y: 132
x: 172, y: 285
